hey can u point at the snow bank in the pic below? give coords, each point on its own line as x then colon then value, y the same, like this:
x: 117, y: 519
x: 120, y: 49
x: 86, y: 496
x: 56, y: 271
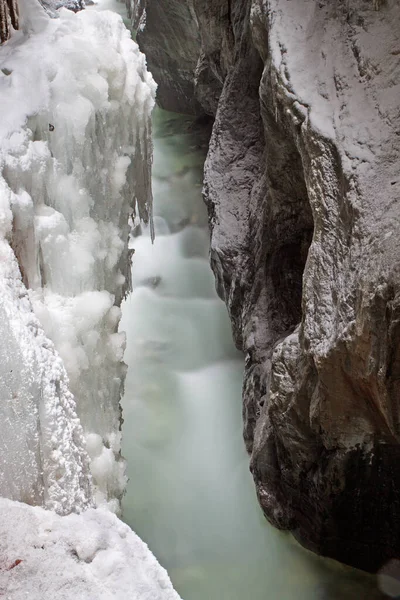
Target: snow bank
x: 91, y: 556
x: 75, y: 153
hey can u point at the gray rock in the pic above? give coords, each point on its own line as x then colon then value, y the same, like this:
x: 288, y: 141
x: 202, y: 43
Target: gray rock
x: 168, y: 34
x: 302, y: 186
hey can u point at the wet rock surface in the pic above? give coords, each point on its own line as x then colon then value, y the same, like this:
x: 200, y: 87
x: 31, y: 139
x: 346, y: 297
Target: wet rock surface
x: 302, y: 187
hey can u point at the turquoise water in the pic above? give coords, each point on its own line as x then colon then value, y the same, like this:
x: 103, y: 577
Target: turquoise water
x: 190, y: 494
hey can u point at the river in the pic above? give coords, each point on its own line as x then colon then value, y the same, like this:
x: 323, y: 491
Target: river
x: 190, y: 494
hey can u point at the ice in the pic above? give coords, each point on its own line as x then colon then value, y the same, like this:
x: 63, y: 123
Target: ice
x: 75, y: 160
x: 43, y: 457
x: 75, y: 156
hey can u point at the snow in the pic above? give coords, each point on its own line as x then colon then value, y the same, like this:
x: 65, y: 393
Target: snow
x: 341, y: 63
x: 75, y: 155
x: 91, y: 556
x: 329, y: 60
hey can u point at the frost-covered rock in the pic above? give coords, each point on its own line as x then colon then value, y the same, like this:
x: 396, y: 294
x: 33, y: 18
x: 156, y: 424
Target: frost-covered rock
x: 75, y: 154
x: 8, y: 18
x: 91, y: 556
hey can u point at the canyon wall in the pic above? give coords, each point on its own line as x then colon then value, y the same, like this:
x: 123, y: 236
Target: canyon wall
x: 302, y: 186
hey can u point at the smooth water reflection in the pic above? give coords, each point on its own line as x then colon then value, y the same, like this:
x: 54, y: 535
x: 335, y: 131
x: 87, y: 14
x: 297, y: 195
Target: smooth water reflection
x: 190, y: 495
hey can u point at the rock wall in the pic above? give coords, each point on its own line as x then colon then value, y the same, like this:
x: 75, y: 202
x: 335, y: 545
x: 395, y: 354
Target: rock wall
x: 171, y: 43
x: 8, y: 16
x: 302, y: 185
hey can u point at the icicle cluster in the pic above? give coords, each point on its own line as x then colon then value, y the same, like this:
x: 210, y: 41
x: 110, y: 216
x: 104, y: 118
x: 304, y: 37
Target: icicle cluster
x: 75, y: 159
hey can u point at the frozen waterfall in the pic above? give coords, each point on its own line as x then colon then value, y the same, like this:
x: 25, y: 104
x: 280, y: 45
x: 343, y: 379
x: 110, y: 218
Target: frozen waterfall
x: 75, y: 155
x: 75, y: 165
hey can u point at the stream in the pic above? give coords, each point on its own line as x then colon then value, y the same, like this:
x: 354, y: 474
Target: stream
x: 190, y: 494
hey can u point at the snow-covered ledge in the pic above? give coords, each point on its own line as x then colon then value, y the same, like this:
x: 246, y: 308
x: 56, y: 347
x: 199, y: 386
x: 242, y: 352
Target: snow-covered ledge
x: 78, y: 557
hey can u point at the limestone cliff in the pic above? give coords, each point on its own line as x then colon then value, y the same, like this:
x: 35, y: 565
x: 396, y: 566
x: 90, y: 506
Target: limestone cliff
x: 302, y: 183
x: 168, y: 34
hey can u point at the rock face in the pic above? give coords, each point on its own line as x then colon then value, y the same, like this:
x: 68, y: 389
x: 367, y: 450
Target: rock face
x: 171, y: 43
x: 8, y: 16
x: 302, y: 183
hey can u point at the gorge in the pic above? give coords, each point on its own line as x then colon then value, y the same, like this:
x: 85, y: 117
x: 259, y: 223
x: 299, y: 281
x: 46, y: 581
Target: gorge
x: 301, y: 184
x: 296, y: 103
x: 190, y: 494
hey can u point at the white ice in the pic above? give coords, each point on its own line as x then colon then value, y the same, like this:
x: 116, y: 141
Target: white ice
x: 75, y: 153
x: 75, y: 156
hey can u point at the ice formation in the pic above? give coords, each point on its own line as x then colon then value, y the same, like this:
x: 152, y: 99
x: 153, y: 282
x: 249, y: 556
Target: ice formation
x: 75, y: 156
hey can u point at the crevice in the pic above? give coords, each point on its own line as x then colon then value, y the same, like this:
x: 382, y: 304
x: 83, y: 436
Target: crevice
x: 289, y: 227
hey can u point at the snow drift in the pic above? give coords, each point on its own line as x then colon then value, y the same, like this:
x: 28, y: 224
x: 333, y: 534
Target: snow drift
x: 92, y: 556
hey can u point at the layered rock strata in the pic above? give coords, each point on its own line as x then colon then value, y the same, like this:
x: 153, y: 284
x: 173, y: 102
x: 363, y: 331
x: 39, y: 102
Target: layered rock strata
x: 302, y: 185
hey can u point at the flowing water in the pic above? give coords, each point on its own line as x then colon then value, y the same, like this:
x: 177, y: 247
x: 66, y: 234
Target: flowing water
x: 190, y: 494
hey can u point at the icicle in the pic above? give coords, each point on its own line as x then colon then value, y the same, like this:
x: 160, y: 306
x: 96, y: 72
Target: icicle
x: 142, y: 178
